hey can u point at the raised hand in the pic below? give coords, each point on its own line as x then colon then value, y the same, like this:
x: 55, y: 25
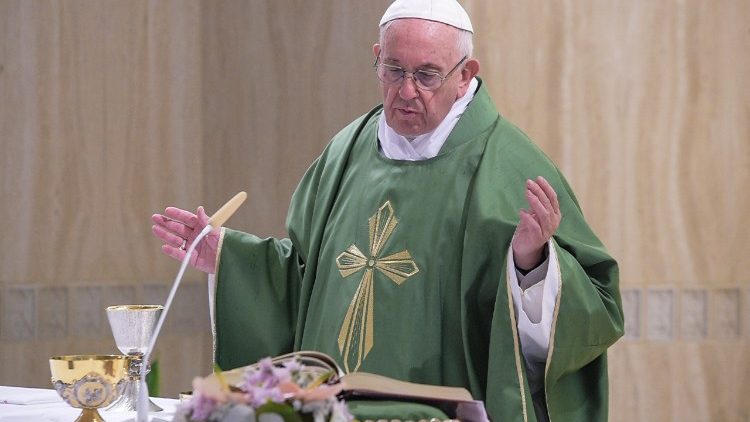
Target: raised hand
x: 538, y: 223
x: 178, y: 228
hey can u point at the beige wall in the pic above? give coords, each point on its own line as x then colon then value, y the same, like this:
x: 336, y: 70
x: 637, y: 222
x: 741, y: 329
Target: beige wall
x: 100, y: 126
x: 111, y: 110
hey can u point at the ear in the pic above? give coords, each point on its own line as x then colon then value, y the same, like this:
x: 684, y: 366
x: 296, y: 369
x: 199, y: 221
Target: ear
x: 376, y: 49
x: 470, y: 69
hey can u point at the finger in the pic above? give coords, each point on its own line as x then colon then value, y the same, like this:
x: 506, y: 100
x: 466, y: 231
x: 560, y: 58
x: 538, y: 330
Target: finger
x: 551, y: 194
x: 185, y: 217
x: 173, y: 226
x: 538, y: 209
x: 203, y: 221
x: 546, y: 219
x: 179, y: 229
x: 160, y: 232
x: 540, y: 194
x: 529, y: 222
x: 173, y: 252
x: 202, y: 216
x: 528, y: 234
x: 160, y: 219
x: 167, y: 237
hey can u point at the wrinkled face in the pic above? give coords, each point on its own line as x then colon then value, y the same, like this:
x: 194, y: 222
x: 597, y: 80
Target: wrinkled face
x: 420, y: 44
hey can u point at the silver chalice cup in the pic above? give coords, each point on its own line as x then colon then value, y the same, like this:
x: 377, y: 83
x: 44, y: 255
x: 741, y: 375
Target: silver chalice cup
x: 132, y: 327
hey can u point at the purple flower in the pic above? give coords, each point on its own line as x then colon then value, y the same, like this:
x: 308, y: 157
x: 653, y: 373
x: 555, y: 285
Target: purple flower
x: 260, y: 396
x: 293, y: 365
x: 200, y: 407
x: 282, y: 374
x: 265, y: 383
x: 263, y: 376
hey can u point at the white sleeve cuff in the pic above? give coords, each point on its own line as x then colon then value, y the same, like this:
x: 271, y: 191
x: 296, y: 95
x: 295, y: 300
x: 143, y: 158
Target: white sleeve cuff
x: 535, y: 306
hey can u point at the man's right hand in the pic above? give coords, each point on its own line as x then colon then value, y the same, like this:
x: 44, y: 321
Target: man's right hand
x: 178, y: 228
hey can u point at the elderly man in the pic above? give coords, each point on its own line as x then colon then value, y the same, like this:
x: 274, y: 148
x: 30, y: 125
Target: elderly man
x: 431, y: 241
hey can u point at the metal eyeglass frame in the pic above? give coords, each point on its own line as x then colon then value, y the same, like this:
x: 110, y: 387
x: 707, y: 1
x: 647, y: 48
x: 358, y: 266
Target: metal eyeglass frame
x: 412, y: 75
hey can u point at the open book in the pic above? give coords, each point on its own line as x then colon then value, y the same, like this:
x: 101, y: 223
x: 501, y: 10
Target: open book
x: 455, y: 402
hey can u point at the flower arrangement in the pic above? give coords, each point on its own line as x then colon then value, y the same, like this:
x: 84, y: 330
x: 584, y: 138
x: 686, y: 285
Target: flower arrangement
x: 268, y: 393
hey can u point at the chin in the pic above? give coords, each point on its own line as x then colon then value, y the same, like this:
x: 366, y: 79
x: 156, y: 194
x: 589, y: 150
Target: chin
x: 408, y: 130
x: 408, y: 127
x: 410, y: 134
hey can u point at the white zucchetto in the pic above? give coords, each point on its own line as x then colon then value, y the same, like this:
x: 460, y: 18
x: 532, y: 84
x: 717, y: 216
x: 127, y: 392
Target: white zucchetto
x: 448, y: 12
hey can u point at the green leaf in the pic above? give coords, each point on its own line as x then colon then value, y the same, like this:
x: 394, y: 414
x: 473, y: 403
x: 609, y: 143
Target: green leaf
x: 286, y: 411
x: 152, y: 379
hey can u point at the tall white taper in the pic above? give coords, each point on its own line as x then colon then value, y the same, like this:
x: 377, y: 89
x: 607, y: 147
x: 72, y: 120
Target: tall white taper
x: 216, y: 220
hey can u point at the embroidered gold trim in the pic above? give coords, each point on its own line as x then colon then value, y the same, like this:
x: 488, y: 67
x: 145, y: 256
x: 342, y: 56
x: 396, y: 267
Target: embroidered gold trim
x: 216, y: 288
x: 355, y: 338
x: 554, y: 325
x: 516, y: 348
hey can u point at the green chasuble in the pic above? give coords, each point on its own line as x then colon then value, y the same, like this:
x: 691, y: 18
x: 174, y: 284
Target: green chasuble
x: 399, y: 268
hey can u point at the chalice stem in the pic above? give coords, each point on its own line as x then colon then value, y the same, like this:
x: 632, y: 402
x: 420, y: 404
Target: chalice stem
x: 90, y: 415
x: 129, y: 397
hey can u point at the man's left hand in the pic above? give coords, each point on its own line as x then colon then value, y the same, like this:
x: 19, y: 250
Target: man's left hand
x: 538, y: 223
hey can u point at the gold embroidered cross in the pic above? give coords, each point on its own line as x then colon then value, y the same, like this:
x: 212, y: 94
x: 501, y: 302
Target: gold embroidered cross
x: 355, y: 337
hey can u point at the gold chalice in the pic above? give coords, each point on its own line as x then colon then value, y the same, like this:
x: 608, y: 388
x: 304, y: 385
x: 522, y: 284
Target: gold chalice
x: 89, y: 382
x: 132, y: 327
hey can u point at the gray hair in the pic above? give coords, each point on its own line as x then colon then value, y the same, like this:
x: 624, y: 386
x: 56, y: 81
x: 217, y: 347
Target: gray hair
x: 464, y: 39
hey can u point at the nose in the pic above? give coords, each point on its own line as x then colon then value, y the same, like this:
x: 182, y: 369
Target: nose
x: 408, y: 88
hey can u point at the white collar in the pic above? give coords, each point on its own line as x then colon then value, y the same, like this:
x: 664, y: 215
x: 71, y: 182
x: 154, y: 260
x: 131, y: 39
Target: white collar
x: 428, y: 145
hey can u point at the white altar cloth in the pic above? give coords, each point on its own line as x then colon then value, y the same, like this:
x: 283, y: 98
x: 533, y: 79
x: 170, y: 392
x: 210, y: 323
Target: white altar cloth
x: 20, y: 404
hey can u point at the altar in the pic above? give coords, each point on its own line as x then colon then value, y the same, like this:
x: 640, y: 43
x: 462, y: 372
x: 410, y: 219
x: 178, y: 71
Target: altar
x: 20, y: 404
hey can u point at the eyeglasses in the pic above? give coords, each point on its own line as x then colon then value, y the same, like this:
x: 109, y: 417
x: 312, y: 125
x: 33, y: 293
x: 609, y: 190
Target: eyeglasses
x: 424, y: 79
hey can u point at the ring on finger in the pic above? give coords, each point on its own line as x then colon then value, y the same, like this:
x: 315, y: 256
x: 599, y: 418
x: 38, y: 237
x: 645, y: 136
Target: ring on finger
x: 184, y: 242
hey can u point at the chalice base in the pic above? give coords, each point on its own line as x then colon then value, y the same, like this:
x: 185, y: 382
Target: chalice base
x: 129, y: 398
x: 90, y: 415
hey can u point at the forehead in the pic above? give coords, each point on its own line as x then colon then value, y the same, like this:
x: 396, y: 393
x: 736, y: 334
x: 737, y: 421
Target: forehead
x: 419, y: 42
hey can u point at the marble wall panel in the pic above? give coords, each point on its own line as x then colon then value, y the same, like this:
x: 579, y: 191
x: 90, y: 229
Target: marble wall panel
x: 660, y: 314
x: 632, y: 308
x: 190, y: 316
x: 727, y: 313
x: 87, y: 318
x: 118, y: 295
x: 52, y: 312
x: 693, y: 314
x: 18, y: 313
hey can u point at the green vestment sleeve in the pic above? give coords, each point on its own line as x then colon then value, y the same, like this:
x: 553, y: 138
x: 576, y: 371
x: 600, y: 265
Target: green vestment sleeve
x: 588, y: 314
x: 260, y: 307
